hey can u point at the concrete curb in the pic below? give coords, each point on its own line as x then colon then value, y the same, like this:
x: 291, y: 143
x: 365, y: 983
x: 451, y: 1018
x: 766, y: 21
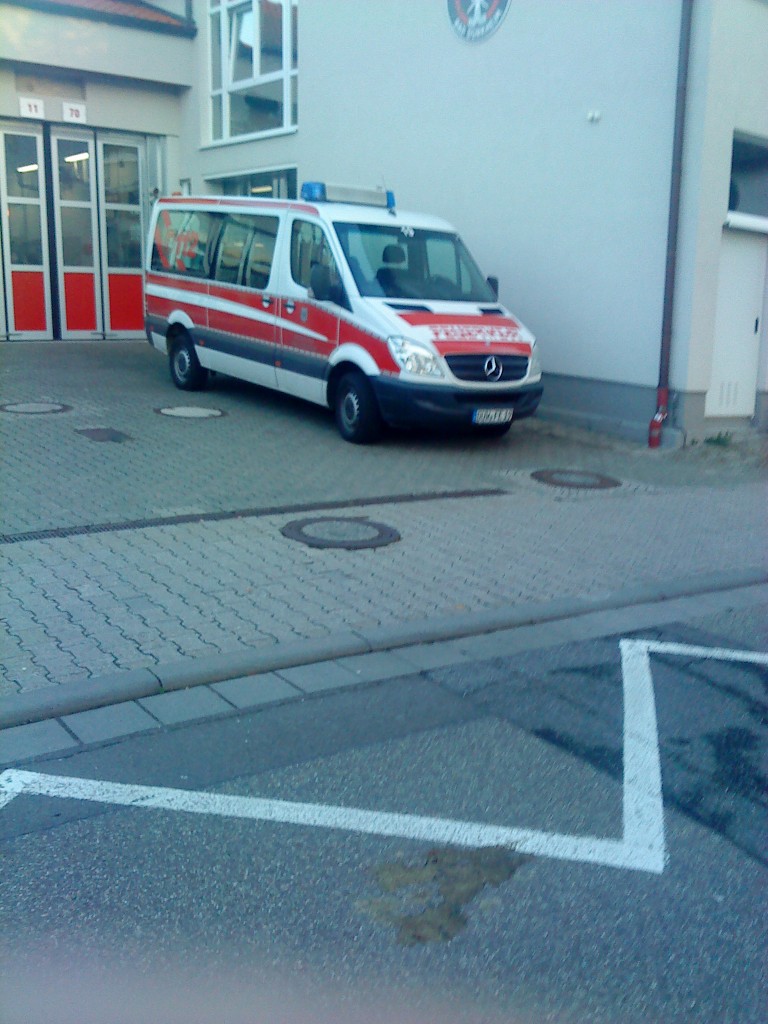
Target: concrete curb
x: 117, y: 687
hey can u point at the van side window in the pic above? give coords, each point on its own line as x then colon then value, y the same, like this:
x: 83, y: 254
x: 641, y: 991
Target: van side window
x: 167, y: 230
x: 233, y: 245
x: 182, y: 242
x: 313, y: 265
x: 261, y: 252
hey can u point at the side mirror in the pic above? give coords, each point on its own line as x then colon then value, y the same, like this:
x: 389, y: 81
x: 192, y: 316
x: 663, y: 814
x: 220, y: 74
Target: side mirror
x: 493, y: 283
x: 320, y: 282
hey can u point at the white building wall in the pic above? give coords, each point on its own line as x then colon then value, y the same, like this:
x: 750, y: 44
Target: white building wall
x: 496, y: 136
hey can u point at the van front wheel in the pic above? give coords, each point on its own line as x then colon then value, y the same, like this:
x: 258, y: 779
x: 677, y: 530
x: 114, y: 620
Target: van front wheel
x: 357, y: 414
x: 186, y: 371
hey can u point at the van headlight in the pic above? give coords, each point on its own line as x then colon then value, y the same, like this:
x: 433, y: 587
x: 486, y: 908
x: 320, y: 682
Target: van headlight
x: 413, y: 357
x: 534, y: 367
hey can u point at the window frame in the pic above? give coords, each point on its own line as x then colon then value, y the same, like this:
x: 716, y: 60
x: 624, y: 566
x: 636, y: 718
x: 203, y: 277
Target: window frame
x: 223, y: 17
x: 321, y: 240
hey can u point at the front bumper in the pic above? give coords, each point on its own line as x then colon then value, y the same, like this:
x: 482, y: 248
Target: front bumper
x: 407, y: 404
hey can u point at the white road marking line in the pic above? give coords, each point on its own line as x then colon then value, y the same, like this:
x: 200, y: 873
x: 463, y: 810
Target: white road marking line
x: 642, y: 848
x: 10, y: 787
x: 707, y: 653
x: 643, y: 804
x: 348, y: 819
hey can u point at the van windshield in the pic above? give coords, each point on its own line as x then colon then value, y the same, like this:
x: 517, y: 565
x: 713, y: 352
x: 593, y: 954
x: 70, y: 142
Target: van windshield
x: 411, y: 263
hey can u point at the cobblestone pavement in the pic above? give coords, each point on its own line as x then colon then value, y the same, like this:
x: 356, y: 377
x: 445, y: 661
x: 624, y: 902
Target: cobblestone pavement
x: 122, y: 546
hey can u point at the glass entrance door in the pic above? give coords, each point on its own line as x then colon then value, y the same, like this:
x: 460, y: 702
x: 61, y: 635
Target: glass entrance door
x: 24, y: 267
x: 76, y: 239
x: 122, y: 234
x: 74, y: 207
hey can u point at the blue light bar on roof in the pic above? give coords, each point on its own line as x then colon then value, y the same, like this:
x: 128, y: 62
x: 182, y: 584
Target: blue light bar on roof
x: 313, y: 192
x: 319, y: 192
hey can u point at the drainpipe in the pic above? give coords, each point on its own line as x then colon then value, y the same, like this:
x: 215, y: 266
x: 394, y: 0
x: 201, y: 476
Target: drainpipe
x: 662, y: 391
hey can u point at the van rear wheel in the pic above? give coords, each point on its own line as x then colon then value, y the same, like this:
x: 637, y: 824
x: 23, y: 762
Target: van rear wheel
x: 357, y: 414
x: 186, y: 371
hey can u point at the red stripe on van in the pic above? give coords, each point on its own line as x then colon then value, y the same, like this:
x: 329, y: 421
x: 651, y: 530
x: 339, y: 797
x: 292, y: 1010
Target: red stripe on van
x: 164, y: 307
x: 457, y: 348
x: 184, y: 284
x: 377, y: 348
x: 243, y: 297
x: 474, y: 319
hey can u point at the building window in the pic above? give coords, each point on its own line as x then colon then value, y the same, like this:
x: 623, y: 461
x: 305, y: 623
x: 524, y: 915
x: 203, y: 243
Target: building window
x: 278, y: 184
x: 254, y: 67
x: 749, y: 178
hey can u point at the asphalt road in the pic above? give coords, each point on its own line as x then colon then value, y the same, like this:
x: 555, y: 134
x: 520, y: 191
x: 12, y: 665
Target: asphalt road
x: 135, y: 913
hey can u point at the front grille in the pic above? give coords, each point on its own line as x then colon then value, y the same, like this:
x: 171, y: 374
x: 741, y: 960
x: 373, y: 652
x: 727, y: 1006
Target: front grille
x: 472, y: 368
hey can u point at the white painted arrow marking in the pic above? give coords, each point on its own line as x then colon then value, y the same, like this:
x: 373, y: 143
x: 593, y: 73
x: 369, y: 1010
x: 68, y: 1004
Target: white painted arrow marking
x: 642, y: 847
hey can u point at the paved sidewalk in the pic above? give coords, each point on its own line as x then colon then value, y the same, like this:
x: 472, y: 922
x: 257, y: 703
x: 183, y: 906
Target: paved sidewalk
x: 162, y: 549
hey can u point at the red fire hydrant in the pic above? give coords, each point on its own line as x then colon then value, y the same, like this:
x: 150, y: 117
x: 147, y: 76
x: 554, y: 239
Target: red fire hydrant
x: 654, y: 429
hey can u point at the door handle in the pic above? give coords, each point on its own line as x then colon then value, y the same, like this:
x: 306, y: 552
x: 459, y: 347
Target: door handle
x: 266, y: 301
x: 290, y: 306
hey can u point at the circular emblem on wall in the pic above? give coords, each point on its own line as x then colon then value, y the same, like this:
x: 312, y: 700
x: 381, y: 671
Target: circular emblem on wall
x: 475, y: 20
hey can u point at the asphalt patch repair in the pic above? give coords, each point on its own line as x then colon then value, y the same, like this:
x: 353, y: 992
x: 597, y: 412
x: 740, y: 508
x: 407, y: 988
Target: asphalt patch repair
x: 425, y: 902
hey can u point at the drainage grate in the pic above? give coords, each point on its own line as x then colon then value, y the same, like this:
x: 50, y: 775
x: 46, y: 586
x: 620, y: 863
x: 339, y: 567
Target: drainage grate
x: 103, y: 434
x: 243, y: 513
x: 575, y: 478
x: 352, y: 533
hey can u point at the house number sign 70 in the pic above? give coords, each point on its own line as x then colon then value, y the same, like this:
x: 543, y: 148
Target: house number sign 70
x: 73, y: 112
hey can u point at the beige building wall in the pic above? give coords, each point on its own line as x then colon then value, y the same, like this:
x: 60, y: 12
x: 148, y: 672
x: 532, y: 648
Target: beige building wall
x: 728, y: 95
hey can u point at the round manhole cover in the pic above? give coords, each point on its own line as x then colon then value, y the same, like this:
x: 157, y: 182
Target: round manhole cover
x: 575, y: 478
x: 34, y: 408
x: 350, y: 533
x: 190, y: 412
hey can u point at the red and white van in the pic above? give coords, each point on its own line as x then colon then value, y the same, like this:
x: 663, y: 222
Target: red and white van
x: 341, y: 299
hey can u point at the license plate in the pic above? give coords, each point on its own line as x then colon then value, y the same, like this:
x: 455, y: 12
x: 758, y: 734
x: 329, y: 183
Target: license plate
x: 483, y: 417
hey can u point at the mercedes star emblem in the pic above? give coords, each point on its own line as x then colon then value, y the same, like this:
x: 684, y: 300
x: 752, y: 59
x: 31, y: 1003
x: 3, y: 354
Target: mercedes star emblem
x: 492, y: 368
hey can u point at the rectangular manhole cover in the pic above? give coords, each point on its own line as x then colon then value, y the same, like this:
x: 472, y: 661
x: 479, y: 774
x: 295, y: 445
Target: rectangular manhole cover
x: 104, y: 434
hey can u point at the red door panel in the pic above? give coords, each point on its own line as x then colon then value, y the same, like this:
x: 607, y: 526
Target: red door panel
x: 79, y: 302
x: 126, y: 302
x: 29, y: 300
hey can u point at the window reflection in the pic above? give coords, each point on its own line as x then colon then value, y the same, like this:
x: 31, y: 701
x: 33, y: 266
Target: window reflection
x: 121, y: 174
x: 74, y: 170
x: 749, y: 178
x: 123, y: 238
x: 76, y: 236
x: 25, y: 234
x: 22, y: 170
x: 257, y: 110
